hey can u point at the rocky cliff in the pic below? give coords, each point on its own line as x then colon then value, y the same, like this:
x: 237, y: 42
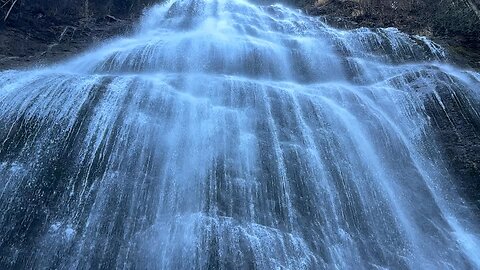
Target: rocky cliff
x: 454, y: 23
x: 43, y: 31
x: 48, y: 30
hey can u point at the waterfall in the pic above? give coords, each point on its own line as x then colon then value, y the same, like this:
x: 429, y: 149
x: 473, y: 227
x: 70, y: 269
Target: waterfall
x: 223, y: 134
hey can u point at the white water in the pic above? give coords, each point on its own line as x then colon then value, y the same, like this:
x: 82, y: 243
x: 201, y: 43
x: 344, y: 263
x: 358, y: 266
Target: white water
x: 229, y: 135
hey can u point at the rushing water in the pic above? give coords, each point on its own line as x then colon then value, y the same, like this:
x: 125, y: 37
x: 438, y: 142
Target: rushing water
x: 227, y: 135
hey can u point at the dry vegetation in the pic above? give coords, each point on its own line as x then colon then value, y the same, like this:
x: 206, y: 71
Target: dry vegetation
x: 9, y: 4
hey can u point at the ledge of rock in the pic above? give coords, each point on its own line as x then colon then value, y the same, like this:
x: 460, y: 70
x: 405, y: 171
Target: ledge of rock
x: 454, y: 24
x: 44, y: 31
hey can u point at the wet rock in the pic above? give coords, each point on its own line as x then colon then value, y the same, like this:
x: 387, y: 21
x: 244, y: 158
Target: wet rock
x: 46, y: 31
x: 454, y: 116
x: 456, y: 24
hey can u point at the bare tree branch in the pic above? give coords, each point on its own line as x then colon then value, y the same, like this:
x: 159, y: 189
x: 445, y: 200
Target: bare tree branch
x: 10, y: 9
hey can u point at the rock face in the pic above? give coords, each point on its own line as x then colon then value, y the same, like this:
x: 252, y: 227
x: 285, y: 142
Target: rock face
x: 456, y: 25
x: 455, y: 21
x: 78, y: 8
x: 455, y: 118
x: 49, y: 30
x: 297, y: 146
x: 44, y: 31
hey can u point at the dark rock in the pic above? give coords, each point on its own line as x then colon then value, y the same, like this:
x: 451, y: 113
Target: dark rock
x: 46, y: 31
x: 456, y: 122
x: 456, y: 24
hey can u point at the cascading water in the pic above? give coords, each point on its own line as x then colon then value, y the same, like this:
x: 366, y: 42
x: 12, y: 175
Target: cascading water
x: 227, y: 135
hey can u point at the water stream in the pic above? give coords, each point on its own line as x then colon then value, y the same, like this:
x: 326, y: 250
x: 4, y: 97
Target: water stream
x: 228, y: 135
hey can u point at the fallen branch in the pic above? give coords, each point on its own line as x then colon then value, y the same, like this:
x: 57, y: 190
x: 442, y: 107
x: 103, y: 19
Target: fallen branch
x: 112, y: 18
x: 10, y: 9
x: 65, y: 31
x: 4, y: 3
